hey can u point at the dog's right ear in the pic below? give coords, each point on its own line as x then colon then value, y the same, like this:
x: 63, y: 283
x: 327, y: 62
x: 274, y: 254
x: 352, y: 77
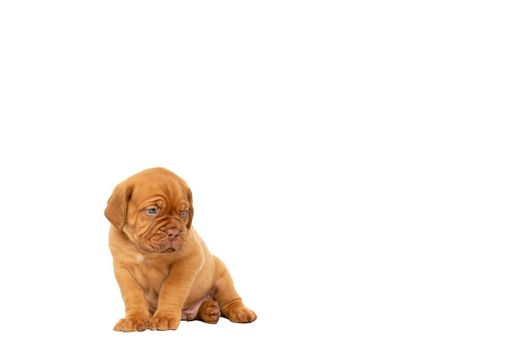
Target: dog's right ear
x: 117, y: 207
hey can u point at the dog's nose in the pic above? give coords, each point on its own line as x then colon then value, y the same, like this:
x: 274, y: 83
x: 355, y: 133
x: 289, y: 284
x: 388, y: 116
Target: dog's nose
x: 173, y: 233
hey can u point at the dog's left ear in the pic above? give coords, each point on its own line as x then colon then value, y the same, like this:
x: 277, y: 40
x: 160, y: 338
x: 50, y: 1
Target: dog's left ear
x: 190, y: 216
x: 117, y: 208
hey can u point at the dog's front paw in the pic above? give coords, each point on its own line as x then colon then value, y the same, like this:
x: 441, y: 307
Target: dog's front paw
x: 163, y: 321
x: 132, y: 324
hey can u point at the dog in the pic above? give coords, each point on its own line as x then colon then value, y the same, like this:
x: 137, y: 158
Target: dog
x: 163, y: 268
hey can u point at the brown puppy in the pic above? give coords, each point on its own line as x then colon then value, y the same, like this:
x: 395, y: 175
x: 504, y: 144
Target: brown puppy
x: 164, y: 270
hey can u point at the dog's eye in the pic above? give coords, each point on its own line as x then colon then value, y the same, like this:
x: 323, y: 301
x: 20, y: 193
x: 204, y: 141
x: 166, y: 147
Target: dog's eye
x: 152, y: 211
x: 184, y: 213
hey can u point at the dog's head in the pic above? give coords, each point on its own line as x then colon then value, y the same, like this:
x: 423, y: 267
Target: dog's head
x: 154, y: 208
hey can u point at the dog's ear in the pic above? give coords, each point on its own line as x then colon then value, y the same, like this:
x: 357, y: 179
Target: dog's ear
x: 117, y: 207
x: 190, y: 214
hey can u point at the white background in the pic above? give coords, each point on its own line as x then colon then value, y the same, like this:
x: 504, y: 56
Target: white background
x: 359, y: 166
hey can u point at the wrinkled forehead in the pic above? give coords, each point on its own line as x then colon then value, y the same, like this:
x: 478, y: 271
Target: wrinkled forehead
x: 170, y: 189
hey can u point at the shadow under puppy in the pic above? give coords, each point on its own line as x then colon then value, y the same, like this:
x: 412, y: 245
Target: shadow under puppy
x: 164, y: 269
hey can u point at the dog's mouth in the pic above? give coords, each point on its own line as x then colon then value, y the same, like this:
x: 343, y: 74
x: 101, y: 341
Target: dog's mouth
x: 162, y: 245
x: 156, y: 250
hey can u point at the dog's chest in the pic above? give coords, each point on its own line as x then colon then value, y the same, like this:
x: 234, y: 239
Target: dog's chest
x: 149, y: 274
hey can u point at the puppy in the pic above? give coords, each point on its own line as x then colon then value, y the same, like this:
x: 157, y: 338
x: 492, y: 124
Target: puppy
x: 163, y: 268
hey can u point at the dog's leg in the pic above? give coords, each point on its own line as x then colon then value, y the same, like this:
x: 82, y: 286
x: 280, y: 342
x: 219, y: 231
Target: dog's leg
x: 229, y: 300
x: 174, y: 292
x: 137, y: 315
